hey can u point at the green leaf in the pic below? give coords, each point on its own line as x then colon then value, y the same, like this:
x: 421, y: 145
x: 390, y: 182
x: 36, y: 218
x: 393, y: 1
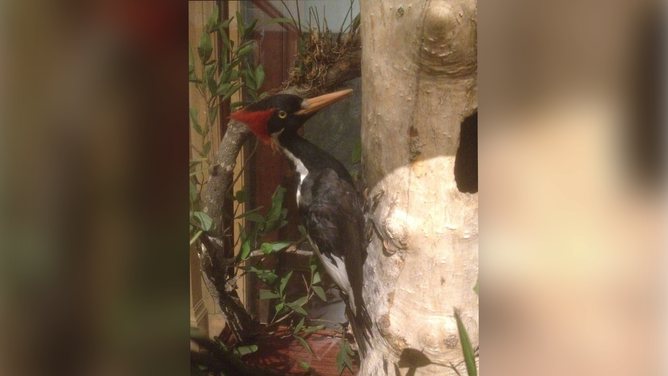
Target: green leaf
x: 320, y: 292
x: 316, y: 277
x: 277, y: 197
x: 248, y: 212
x: 276, y: 20
x: 255, y: 217
x: 266, y: 276
x: 357, y: 152
x: 205, y: 221
x: 231, y: 91
x: 279, y: 307
x: 313, y: 263
x: 274, y: 225
x: 302, y: 230
x: 259, y: 76
x: 304, y: 365
x: 242, y: 233
x: 234, y: 75
x: 303, y: 343
x: 193, y: 119
x: 213, y: 113
x: 249, y: 80
x: 251, y: 27
x: 191, y: 60
x: 245, y: 50
x: 312, y: 329
x: 269, y: 278
x: 207, y: 147
x: 223, y: 87
x: 224, y: 77
x: 268, y: 248
x: 284, y: 281
x: 240, y: 196
x: 299, y: 326
x: 243, y: 350
x: 195, y: 162
x: 240, y: 25
x: 297, y: 305
x: 224, y: 24
x: 299, y: 301
x: 277, y: 246
x: 276, y: 204
x: 343, y: 357
x: 298, y: 309
x: 213, y: 20
x: 226, y: 41
x: 192, y: 77
x: 204, y: 48
x: 193, y: 192
x: 348, y: 349
x: 245, y: 249
x: 476, y: 288
x: 467, y: 348
x: 209, y: 72
x: 268, y: 295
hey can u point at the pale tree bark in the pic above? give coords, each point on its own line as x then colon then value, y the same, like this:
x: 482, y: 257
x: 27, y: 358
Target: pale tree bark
x: 419, y: 83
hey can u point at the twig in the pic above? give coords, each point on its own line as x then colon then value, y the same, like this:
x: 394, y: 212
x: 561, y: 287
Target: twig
x: 298, y: 252
x: 197, y: 235
x: 250, y: 156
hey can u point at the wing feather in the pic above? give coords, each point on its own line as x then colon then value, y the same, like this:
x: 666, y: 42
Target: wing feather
x: 334, y: 218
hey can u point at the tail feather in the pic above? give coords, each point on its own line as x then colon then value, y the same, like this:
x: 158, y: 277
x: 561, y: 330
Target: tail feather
x: 360, y: 323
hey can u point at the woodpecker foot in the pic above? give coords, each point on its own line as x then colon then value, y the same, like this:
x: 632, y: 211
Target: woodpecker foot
x: 370, y: 205
x: 371, y: 228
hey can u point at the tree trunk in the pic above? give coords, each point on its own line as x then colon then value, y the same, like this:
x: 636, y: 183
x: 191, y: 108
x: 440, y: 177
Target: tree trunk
x: 419, y: 83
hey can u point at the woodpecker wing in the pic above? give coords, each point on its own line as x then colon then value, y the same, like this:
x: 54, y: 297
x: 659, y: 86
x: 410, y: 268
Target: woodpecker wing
x: 333, y: 215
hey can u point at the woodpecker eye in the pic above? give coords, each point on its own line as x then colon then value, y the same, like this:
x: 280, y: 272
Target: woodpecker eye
x: 282, y: 114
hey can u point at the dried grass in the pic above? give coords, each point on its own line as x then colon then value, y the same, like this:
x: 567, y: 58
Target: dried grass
x: 322, y: 55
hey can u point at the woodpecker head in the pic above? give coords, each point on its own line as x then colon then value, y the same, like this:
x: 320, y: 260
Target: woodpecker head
x: 283, y: 113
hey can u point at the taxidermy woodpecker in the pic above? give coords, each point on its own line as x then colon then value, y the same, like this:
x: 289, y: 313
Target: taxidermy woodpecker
x: 328, y: 203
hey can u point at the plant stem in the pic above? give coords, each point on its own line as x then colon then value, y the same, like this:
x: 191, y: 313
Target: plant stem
x: 197, y: 235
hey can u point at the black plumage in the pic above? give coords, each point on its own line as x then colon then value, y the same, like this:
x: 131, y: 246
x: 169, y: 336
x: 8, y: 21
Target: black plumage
x: 333, y: 216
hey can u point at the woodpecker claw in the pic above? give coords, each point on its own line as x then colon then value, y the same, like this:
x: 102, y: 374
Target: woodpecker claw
x: 376, y: 200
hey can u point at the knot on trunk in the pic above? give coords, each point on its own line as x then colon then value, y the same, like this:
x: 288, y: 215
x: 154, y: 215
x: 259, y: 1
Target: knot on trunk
x: 449, y: 39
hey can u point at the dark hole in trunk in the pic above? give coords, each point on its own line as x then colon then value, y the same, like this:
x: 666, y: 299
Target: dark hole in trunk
x: 466, y: 162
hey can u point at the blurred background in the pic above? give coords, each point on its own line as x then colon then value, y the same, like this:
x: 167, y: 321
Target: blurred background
x: 94, y: 278
x: 572, y: 187
x: 95, y: 281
